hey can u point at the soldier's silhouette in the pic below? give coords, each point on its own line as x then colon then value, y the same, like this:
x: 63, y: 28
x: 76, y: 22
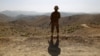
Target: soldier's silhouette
x: 55, y: 16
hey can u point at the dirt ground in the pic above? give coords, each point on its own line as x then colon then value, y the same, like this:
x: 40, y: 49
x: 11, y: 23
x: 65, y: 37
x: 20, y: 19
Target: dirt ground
x: 44, y: 46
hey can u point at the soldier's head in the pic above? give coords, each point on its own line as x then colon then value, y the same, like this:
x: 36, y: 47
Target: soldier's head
x: 56, y: 8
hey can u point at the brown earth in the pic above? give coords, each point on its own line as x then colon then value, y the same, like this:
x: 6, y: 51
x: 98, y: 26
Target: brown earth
x: 39, y: 46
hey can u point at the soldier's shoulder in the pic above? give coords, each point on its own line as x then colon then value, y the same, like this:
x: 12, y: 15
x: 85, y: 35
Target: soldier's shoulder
x: 59, y: 12
x: 52, y: 12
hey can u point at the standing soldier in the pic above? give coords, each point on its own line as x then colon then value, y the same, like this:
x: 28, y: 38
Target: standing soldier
x: 55, y: 16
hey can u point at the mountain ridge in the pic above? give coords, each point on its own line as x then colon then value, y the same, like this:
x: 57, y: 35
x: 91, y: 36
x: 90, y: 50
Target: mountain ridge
x: 33, y: 13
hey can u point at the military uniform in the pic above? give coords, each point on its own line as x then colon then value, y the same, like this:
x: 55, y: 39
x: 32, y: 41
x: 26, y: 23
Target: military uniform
x: 55, y: 16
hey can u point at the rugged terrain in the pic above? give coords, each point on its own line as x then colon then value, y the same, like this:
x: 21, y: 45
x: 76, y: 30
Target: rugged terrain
x: 30, y: 36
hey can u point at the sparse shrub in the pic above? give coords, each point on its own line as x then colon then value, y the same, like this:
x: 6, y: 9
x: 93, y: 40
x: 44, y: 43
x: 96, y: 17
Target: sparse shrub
x: 73, y: 29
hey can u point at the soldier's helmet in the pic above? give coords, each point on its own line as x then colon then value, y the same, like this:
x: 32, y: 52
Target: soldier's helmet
x: 56, y: 7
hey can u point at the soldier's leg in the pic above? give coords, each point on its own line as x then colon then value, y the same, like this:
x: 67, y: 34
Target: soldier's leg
x: 57, y: 28
x: 52, y: 29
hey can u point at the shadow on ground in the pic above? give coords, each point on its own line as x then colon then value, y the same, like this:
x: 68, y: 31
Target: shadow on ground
x: 54, y: 49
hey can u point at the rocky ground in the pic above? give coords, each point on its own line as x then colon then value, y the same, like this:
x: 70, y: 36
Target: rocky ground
x: 43, y: 46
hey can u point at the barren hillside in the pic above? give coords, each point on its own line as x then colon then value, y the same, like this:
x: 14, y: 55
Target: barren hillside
x: 30, y: 36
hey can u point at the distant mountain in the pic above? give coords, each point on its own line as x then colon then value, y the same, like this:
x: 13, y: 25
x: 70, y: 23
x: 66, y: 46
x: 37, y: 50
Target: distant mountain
x: 16, y: 13
x: 33, y: 13
x: 27, y: 18
x: 5, y: 18
x: 44, y: 20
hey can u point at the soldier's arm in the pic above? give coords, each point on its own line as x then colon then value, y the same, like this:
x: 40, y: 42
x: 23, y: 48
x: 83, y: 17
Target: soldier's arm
x: 51, y: 16
x: 59, y: 16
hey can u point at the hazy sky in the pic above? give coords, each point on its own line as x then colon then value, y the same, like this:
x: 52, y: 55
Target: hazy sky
x: 47, y: 5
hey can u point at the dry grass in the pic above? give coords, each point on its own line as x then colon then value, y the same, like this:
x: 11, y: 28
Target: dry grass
x: 38, y: 46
